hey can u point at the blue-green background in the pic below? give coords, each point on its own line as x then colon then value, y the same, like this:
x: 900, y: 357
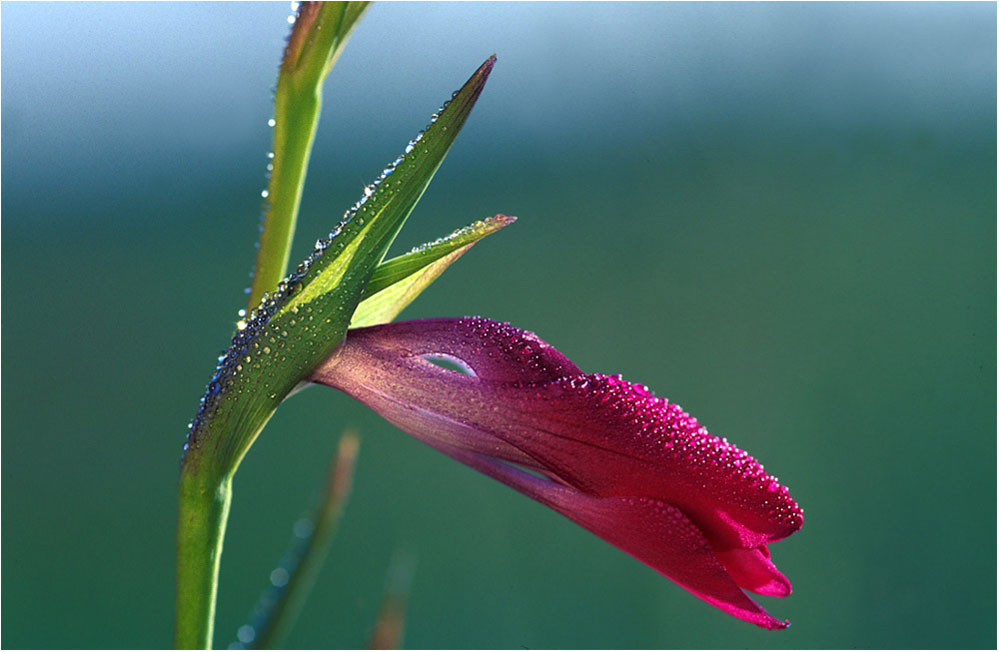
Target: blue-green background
x: 780, y: 216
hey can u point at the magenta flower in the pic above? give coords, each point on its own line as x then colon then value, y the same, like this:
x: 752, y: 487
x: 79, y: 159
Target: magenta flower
x: 635, y: 470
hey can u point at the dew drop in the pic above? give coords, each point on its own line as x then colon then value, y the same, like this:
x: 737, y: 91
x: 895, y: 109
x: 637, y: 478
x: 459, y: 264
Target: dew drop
x: 246, y: 634
x: 279, y: 577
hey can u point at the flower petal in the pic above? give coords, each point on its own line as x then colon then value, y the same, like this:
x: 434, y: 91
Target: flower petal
x: 752, y: 569
x: 653, y: 532
x: 497, y: 352
x: 528, y: 404
x: 388, y: 368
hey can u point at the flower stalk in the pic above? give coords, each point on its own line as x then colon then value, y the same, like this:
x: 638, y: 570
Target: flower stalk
x: 320, y: 32
x: 204, y: 511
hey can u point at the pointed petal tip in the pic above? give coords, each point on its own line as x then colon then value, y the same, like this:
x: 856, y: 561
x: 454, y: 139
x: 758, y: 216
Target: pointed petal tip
x: 777, y: 587
x: 774, y: 589
x: 761, y: 619
x: 753, y: 570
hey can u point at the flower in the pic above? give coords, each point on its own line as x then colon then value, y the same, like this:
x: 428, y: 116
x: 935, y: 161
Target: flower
x: 632, y: 468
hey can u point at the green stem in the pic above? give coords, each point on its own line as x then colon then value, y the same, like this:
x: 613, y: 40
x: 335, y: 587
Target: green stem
x: 275, y: 351
x: 317, y: 39
x: 294, y: 132
x: 319, y: 34
x: 204, y: 510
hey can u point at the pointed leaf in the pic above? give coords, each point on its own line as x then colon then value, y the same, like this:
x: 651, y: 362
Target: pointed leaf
x: 397, y: 282
x: 306, y: 318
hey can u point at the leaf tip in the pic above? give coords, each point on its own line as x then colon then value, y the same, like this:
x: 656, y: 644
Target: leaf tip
x: 478, y: 79
x: 503, y: 220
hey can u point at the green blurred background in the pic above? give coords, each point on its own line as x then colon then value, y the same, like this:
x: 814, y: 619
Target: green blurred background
x: 780, y: 216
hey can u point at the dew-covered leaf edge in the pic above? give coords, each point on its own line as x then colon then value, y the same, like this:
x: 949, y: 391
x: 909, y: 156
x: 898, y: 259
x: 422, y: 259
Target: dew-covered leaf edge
x: 297, y: 326
x: 397, y: 282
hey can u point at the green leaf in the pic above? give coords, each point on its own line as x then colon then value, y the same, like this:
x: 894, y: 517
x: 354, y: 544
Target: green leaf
x: 397, y: 282
x: 289, y: 333
x: 300, y: 324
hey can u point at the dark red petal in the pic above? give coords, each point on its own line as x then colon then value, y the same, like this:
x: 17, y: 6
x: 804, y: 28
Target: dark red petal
x: 612, y: 438
x: 530, y: 405
x: 752, y: 570
x: 651, y: 531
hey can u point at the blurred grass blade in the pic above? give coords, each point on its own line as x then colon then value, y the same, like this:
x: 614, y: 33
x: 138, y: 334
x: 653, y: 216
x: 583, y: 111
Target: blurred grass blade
x: 291, y: 582
x: 318, y: 36
x: 288, y: 334
x: 391, y: 623
x: 398, y: 281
